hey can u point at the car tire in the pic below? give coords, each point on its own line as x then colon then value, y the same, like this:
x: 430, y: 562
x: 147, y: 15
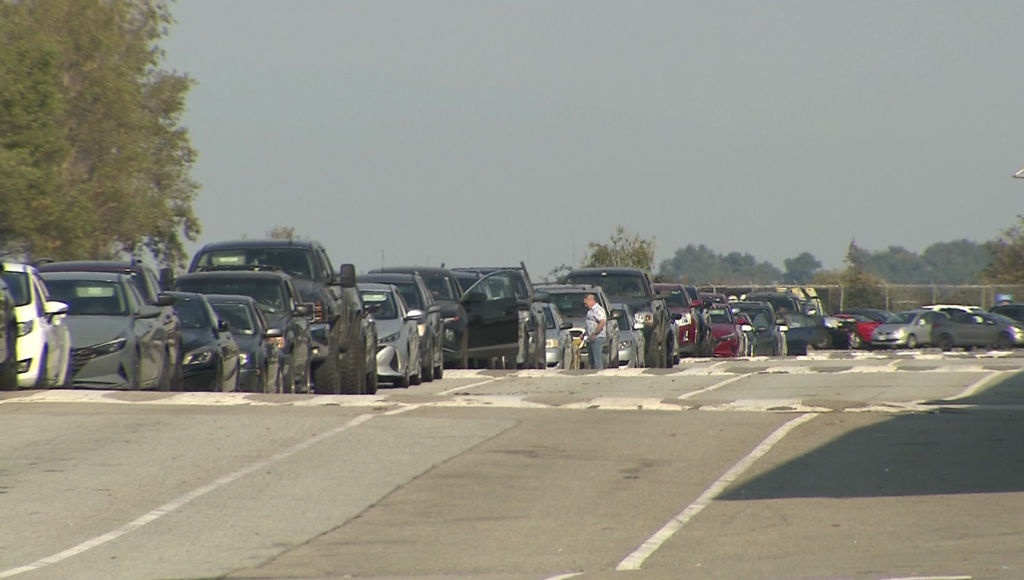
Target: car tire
x: 856, y: 342
x: 353, y: 378
x: 912, y: 342
x: 42, y: 381
x: 426, y: 368
x: 438, y: 372
x: 372, y: 381
x: 946, y: 342
x: 415, y: 379
x: 327, y: 376
x: 1003, y: 342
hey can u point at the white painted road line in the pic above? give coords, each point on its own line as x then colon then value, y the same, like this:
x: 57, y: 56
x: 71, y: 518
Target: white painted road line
x: 565, y: 576
x: 469, y: 386
x: 931, y: 578
x: 635, y: 560
x: 189, y: 497
x: 717, y: 385
x: 973, y: 388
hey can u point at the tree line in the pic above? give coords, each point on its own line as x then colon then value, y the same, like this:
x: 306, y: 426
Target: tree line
x: 94, y: 160
x: 999, y: 261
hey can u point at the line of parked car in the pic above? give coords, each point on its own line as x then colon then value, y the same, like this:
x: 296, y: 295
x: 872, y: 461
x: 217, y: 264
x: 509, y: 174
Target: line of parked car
x: 276, y: 316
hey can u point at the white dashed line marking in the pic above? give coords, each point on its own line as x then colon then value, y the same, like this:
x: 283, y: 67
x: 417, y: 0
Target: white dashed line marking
x: 717, y: 385
x: 469, y: 386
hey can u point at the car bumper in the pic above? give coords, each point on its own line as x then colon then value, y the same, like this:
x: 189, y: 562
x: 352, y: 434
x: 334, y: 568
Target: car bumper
x: 553, y: 357
x: 452, y: 346
x: 389, y: 363
x: 249, y: 380
x: 30, y: 353
x: 729, y: 348
x: 319, y: 342
x: 888, y: 341
x: 627, y: 352
x: 200, y: 377
x: 109, y: 371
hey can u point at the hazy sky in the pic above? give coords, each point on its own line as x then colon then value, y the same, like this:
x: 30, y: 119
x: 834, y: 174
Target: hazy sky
x: 482, y: 133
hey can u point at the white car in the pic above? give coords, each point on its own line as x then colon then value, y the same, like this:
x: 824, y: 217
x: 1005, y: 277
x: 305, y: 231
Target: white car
x: 44, y: 342
x: 954, y: 308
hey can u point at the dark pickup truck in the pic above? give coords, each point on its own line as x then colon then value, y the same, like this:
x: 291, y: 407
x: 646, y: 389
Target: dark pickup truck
x: 633, y: 286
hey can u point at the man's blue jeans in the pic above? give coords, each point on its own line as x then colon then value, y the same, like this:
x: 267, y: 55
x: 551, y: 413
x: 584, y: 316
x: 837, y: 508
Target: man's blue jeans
x: 595, y: 352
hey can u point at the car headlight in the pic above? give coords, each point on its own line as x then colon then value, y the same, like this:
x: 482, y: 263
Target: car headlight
x: 197, y: 357
x: 552, y: 343
x: 686, y: 319
x: 832, y: 322
x: 421, y: 328
x: 899, y: 333
x: 25, y: 327
x: 393, y: 337
x: 1017, y: 331
x: 644, y: 318
x: 625, y: 344
x: 244, y: 358
x: 111, y: 346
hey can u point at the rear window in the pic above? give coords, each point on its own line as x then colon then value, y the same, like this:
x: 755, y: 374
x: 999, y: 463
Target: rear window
x: 267, y: 293
x: 296, y: 262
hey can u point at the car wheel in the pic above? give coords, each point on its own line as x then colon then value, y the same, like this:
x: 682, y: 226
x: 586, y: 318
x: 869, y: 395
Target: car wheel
x: 856, y: 343
x: 353, y: 377
x: 372, y: 380
x: 327, y: 377
x: 911, y: 342
x: 1003, y: 342
x: 43, y: 381
x: 426, y: 368
x: 415, y: 379
x: 946, y: 342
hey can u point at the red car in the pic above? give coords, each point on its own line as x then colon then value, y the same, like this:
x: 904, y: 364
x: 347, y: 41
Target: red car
x: 865, y: 327
x: 728, y: 337
x: 692, y: 338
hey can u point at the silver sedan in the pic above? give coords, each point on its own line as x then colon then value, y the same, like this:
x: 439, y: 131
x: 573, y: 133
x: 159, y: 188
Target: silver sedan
x: 398, y: 338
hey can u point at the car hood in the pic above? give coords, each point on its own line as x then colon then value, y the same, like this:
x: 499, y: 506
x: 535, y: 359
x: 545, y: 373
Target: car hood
x: 195, y: 338
x: 576, y: 321
x: 719, y: 329
x: 89, y: 331
x: 388, y: 327
x: 636, y: 304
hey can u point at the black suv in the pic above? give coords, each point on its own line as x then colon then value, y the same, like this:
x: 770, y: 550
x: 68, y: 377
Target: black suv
x: 632, y: 286
x: 532, y: 320
x: 276, y: 295
x: 152, y: 291
x: 447, y: 292
x: 339, y: 326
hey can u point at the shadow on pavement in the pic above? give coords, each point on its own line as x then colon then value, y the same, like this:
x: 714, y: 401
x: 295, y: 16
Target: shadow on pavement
x: 950, y: 451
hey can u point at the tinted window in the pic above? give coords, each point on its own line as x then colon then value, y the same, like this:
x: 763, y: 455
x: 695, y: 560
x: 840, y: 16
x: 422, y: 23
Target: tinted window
x: 191, y: 313
x: 549, y: 319
x: 266, y: 293
x: 237, y: 315
x: 632, y: 286
x: 89, y: 297
x: 781, y: 304
x: 17, y: 283
x: 294, y: 261
x: 440, y: 286
x: 678, y: 298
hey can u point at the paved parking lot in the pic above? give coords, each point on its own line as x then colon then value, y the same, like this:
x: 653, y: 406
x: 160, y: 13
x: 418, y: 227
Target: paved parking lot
x: 822, y: 467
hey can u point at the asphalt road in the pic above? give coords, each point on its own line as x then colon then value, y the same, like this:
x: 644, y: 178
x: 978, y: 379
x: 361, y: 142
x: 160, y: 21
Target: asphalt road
x: 867, y: 467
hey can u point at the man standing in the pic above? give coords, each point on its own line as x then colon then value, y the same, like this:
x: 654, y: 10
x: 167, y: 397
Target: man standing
x: 596, y: 320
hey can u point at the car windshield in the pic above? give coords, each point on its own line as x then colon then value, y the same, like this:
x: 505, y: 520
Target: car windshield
x: 17, y: 283
x: 781, y: 304
x: 237, y: 315
x: 632, y: 286
x: 386, y: 307
x: 902, y: 317
x: 440, y: 286
x: 191, y: 313
x: 570, y: 303
x: 294, y: 261
x: 267, y: 293
x: 89, y: 297
x: 721, y: 316
x: 678, y: 298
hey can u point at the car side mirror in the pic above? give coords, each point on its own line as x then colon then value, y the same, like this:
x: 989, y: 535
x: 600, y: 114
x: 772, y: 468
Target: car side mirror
x: 347, y: 279
x: 165, y: 300
x: 335, y: 280
x: 696, y: 303
x: 223, y: 326
x: 414, y: 314
x: 273, y: 333
x: 434, y: 309
x: 53, y: 308
x: 746, y: 327
x: 566, y: 325
x: 302, y: 310
x: 473, y: 297
x: 148, y: 312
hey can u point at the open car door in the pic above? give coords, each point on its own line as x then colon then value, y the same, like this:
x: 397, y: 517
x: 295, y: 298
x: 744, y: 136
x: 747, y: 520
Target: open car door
x: 493, y: 316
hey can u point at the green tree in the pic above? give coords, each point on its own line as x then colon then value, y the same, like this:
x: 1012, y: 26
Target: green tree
x: 1007, y: 264
x: 800, y: 269
x: 93, y: 158
x: 622, y: 250
x: 282, y: 233
x: 860, y: 288
x: 702, y: 265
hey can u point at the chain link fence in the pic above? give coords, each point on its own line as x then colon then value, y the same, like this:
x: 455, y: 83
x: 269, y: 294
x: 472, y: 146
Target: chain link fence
x: 893, y: 297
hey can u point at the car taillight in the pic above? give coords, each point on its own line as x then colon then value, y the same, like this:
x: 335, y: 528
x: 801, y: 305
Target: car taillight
x: 318, y: 312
